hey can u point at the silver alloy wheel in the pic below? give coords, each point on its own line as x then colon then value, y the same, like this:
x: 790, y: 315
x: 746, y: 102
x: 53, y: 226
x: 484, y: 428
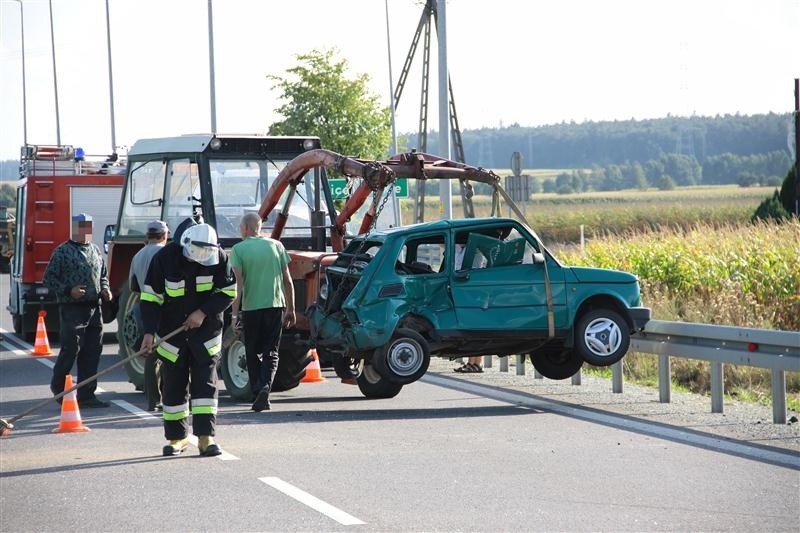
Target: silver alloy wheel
x: 603, y: 337
x: 236, y: 363
x: 404, y: 357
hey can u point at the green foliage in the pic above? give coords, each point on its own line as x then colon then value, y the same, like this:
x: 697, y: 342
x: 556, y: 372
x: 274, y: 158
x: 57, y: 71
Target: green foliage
x: 787, y: 194
x: 771, y: 208
x: 320, y: 100
x: 8, y: 193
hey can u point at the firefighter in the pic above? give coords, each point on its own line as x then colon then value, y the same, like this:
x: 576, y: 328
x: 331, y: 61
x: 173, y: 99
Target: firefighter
x: 188, y: 284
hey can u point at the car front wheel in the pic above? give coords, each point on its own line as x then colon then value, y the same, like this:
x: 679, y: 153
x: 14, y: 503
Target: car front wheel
x: 602, y: 337
x: 557, y: 365
x: 404, y: 359
x: 373, y: 385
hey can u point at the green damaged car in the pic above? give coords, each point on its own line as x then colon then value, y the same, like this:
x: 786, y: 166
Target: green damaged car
x: 457, y: 288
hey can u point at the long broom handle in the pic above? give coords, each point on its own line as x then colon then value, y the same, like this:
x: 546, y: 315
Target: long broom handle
x: 116, y: 365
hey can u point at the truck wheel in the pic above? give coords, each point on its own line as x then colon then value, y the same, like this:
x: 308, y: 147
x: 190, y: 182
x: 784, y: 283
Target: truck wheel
x: 130, y: 337
x: 557, y: 365
x: 602, y: 337
x: 404, y: 359
x: 233, y: 363
x: 291, y: 369
x: 373, y: 385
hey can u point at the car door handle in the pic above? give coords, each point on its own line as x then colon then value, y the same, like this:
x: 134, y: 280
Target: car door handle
x: 462, y: 275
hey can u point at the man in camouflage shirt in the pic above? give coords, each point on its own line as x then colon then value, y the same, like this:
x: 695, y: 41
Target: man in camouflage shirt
x: 77, y: 275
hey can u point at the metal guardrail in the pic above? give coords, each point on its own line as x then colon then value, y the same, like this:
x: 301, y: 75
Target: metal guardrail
x: 778, y: 351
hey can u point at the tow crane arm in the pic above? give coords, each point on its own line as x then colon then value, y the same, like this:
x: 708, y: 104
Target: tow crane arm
x: 376, y: 176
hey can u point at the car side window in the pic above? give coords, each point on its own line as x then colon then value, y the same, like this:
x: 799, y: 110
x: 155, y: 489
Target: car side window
x: 421, y: 256
x: 493, y: 247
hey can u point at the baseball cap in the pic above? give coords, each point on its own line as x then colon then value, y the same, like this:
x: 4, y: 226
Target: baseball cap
x: 157, y: 226
x: 82, y: 217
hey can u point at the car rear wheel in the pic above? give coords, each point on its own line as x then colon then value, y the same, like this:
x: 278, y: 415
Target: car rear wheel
x: 404, y: 359
x: 555, y: 364
x: 347, y: 367
x: 373, y: 385
x: 602, y: 337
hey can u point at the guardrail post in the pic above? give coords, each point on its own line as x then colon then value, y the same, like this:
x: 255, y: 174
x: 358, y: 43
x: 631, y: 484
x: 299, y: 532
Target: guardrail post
x: 487, y: 361
x: 536, y: 374
x: 576, y: 378
x: 778, y: 397
x: 504, y: 364
x: 717, y: 387
x: 616, y: 377
x: 520, y: 364
x: 664, y: 378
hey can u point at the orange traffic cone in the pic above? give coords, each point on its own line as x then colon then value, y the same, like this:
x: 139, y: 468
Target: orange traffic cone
x: 70, y: 415
x: 42, y: 345
x: 313, y: 370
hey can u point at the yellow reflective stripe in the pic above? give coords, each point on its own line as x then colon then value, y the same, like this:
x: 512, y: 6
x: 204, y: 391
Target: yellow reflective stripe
x: 176, y: 412
x: 175, y: 289
x: 204, y: 283
x: 167, y: 351
x: 204, y: 406
x: 150, y: 295
x: 213, y: 345
x: 230, y: 290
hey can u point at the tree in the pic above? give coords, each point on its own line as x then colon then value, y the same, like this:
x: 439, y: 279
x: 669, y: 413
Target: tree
x: 319, y: 100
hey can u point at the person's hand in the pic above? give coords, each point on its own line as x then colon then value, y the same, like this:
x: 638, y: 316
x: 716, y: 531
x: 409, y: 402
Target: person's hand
x: 288, y: 318
x: 105, y: 294
x: 195, y: 320
x: 147, y: 344
x: 77, y: 292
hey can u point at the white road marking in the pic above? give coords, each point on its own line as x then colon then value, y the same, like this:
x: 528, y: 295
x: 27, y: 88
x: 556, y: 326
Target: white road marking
x: 135, y: 410
x: 788, y: 459
x: 225, y: 456
x: 311, y: 501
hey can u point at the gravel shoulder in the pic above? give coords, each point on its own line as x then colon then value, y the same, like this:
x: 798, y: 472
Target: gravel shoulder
x: 742, y: 421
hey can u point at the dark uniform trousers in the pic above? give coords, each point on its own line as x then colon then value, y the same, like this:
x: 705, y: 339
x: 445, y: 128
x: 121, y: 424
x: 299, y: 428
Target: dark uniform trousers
x: 262, y: 337
x: 193, y: 359
x: 81, y: 337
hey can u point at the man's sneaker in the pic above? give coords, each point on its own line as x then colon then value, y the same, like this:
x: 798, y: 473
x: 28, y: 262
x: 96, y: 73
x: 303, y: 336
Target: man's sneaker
x: 207, y: 447
x: 262, y: 401
x: 175, y: 447
x: 93, y: 402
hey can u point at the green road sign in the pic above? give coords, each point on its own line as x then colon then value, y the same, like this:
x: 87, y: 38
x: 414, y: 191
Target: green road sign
x: 339, y: 191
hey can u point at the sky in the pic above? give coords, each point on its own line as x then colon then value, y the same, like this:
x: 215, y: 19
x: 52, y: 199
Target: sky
x: 529, y: 62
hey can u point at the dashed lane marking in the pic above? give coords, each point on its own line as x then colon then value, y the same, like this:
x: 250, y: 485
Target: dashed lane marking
x: 312, y: 501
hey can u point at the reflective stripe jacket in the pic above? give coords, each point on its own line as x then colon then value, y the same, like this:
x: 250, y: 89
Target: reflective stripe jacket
x: 176, y: 287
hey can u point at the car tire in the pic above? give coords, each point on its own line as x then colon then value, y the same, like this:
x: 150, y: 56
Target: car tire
x: 129, y: 336
x: 347, y: 367
x: 601, y: 337
x: 233, y: 366
x: 372, y: 385
x: 404, y: 359
x: 557, y: 365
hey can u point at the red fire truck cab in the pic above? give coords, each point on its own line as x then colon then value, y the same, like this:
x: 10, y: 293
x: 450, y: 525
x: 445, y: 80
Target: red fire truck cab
x: 55, y: 183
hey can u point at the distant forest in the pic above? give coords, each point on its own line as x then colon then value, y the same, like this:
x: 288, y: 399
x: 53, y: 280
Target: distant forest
x: 665, y: 152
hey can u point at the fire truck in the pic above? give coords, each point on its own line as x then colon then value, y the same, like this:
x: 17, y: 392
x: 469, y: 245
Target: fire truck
x: 55, y: 183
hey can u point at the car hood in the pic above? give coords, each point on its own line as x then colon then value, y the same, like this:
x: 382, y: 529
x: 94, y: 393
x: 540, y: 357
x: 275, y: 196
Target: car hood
x: 602, y: 275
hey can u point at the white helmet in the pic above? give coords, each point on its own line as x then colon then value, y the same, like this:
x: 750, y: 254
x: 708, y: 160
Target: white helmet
x: 199, y: 243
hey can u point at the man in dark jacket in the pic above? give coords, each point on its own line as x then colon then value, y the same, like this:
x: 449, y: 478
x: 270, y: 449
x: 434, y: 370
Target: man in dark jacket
x: 77, y: 275
x: 188, y: 285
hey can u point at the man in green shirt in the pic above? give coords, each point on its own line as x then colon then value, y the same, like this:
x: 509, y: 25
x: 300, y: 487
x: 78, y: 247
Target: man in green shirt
x: 265, y: 295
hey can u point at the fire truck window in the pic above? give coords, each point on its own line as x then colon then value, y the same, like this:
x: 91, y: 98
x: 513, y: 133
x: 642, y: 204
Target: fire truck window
x: 143, y: 198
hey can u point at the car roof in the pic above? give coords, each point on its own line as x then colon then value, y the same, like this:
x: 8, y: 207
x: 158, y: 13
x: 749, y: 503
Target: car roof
x: 440, y: 225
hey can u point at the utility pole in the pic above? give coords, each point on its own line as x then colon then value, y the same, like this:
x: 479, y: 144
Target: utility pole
x: 211, y: 68
x: 24, y: 91
x: 445, y: 191
x: 55, y: 76
x: 110, y: 83
x: 797, y: 147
